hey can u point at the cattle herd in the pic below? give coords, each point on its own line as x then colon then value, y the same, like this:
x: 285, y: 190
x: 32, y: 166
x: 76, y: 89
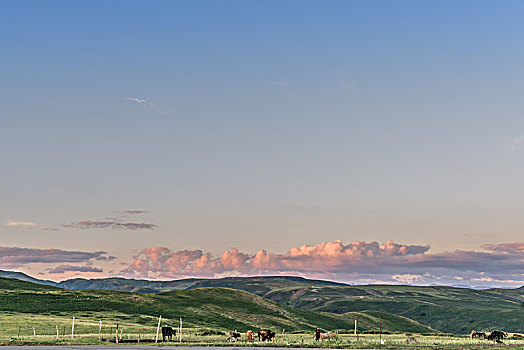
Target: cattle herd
x: 269, y: 335
x: 263, y: 335
x: 496, y: 336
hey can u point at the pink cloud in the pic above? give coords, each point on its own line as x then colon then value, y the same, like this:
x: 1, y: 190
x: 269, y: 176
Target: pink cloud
x: 517, y: 247
x: 372, y: 262
x: 325, y: 257
x: 26, y: 224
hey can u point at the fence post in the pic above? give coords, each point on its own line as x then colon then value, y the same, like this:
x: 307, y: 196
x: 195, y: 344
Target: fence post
x: 73, y: 329
x: 19, y: 328
x: 56, y: 332
x: 180, y: 339
x: 116, y: 334
x: 356, y: 327
x: 380, y: 329
x: 34, y: 332
x: 158, y: 328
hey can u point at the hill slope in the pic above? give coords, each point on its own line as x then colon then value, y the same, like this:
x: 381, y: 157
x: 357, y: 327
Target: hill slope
x: 205, y: 307
x: 448, y: 309
x: 23, y: 277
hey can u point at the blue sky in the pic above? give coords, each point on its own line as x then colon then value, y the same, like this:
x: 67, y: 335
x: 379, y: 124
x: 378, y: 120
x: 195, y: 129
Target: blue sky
x: 260, y: 125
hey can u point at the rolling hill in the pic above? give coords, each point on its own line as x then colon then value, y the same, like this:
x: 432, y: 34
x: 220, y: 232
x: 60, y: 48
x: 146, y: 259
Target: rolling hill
x: 447, y: 309
x: 219, y: 308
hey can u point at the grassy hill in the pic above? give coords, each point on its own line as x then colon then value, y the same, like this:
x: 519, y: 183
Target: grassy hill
x: 448, y: 309
x: 217, y: 308
x: 23, y: 277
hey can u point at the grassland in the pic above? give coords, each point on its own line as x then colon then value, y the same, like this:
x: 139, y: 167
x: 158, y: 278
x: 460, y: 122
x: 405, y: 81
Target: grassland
x: 32, y: 313
x: 447, y: 309
x: 203, y: 308
x: 301, y: 306
x: 86, y: 332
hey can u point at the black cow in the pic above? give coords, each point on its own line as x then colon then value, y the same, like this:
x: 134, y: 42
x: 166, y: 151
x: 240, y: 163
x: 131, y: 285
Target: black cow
x: 168, y: 332
x: 497, y: 336
x: 266, y: 334
x: 233, y: 336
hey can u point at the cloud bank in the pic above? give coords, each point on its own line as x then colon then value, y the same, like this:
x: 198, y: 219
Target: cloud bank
x: 15, y: 257
x: 358, y: 261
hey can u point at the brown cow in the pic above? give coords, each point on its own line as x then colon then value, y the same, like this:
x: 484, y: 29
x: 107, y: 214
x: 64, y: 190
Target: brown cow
x: 475, y: 334
x: 266, y: 334
x: 250, y: 336
x: 327, y: 336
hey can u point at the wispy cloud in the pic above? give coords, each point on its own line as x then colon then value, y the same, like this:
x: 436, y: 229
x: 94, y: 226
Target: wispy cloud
x: 110, y: 224
x: 136, y: 99
x: 62, y: 269
x: 115, y: 223
x: 153, y: 107
x: 134, y: 211
x: 26, y: 224
x: 354, y: 262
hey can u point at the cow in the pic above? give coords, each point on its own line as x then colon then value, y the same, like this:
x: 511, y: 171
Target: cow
x: 497, y: 336
x: 475, y: 334
x: 411, y: 340
x: 168, y: 332
x: 233, y: 337
x: 250, y: 336
x: 327, y: 336
x: 266, y: 334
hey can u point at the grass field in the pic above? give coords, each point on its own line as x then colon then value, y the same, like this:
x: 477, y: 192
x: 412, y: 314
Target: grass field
x: 445, y: 309
x: 32, y: 313
x: 87, y: 328
x: 217, y: 308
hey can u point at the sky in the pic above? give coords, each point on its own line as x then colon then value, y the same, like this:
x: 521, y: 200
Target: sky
x: 356, y: 141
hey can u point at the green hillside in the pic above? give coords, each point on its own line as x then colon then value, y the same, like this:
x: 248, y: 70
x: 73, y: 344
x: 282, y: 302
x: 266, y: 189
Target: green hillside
x: 23, y: 277
x: 448, y: 309
x: 218, y: 308
x: 11, y: 284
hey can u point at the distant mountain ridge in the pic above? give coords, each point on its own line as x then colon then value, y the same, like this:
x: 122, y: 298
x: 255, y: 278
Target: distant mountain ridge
x: 23, y: 277
x: 258, y: 285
